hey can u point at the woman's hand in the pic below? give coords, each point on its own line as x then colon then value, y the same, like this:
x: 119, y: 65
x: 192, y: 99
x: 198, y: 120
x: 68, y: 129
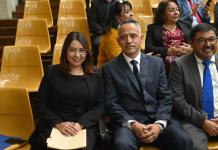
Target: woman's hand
x: 184, y: 49
x: 172, y: 51
x: 67, y: 128
x: 195, y: 9
x: 78, y: 127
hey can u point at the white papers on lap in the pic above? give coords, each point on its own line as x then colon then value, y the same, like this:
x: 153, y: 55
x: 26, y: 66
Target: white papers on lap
x: 59, y: 141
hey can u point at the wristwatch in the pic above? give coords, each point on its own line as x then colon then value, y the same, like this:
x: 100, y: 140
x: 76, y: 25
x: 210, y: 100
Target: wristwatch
x: 160, y: 125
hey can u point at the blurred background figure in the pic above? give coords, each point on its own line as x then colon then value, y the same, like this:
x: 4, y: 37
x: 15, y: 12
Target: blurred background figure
x: 194, y: 11
x: 109, y: 47
x: 99, y: 16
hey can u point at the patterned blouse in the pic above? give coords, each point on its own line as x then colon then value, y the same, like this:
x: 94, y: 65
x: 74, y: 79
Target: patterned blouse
x: 173, y: 38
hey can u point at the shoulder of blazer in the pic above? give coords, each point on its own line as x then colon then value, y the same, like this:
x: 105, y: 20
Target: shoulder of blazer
x: 185, y: 59
x: 216, y: 60
x: 216, y: 56
x: 184, y: 24
x: 186, y: 28
x: 152, y: 59
x: 52, y: 69
x: 155, y: 26
x: 157, y: 32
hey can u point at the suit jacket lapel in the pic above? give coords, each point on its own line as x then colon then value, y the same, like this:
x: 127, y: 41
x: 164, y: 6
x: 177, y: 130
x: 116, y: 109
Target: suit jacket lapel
x: 143, y: 69
x: 195, y: 73
x: 216, y: 61
x: 126, y: 69
x: 89, y: 82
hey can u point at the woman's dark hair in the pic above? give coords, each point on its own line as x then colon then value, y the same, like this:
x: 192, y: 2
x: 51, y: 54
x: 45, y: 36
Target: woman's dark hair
x: 87, y: 64
x: 117, y: 10
x: 160, y: 12
x: 119, y: 7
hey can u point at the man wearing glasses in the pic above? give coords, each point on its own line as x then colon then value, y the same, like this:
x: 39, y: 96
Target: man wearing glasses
x: 194, y: 82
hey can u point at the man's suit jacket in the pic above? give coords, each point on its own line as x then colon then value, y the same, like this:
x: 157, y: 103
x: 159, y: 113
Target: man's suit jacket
x: 185, y: 11
x: 187, y: 91
x: 125, y: 101
x: 154, y: 37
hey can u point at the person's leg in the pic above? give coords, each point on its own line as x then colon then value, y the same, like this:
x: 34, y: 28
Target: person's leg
x: 91, y: 138
x: 124, y: 139
x: 174, y: 138
x: 95, y: 46
x: 198, y: 136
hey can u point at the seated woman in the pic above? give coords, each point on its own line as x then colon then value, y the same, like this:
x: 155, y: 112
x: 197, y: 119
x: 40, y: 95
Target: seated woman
x: 70, y: 96
x: 109, y: 47
x: 168, y: 36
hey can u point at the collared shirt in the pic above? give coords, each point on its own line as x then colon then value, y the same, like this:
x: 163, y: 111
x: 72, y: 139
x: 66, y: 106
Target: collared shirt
x: 214, y: 77
x: 138, y: 59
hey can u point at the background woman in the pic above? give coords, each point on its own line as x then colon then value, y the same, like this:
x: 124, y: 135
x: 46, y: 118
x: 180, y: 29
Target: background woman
x: 70, y: 95
x: 168, y: 36
x: 109, y: 47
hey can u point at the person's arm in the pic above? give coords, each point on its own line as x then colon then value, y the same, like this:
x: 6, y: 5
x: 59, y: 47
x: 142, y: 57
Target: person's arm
x: 43, y: 101
x: 113, y: 108
x: 95, y: 113
x: 205, y: 16
x: 151, y: 43
x: 164, y: 96
x: 185, y: 11
x: 181, y: 106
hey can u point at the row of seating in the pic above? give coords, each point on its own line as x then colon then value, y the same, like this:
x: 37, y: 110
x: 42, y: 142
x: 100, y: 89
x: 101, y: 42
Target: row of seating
x: 21, y: 67
x: 41, y: 9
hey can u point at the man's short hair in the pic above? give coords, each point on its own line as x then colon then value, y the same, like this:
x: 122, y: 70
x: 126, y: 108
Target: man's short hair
x: 130, y: 20
x: 203, y: 27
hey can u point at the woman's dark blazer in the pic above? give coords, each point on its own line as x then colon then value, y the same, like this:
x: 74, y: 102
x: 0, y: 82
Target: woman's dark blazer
x: 154, y: 38
x: 47, y: 102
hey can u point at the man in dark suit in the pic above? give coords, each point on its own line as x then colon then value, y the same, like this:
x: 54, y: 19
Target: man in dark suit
x: 138, y: 98
x: 196, y: 99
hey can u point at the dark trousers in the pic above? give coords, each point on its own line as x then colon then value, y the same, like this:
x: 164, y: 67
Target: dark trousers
x: 172, y: 138
x: 95, y: 48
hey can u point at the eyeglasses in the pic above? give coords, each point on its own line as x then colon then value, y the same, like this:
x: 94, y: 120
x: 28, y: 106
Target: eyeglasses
x: 81, y: 51
x: 203, y: 41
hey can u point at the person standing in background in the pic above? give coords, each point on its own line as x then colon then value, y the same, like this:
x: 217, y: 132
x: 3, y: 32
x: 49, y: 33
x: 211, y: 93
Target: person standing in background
x: 99, y: 16
x: 109, y: 47
x: 193, y: 11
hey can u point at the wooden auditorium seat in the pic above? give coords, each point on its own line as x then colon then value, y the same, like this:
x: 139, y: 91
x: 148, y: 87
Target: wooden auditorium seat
x: 39, y: 9
x: 72, y: 24
x: 71, y: 9
x: 21, y: 67
x: 56, y: 54
x: 141, y: 7
x: 16, y: 114
x: 144, y: 21
x: 33, y: 32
